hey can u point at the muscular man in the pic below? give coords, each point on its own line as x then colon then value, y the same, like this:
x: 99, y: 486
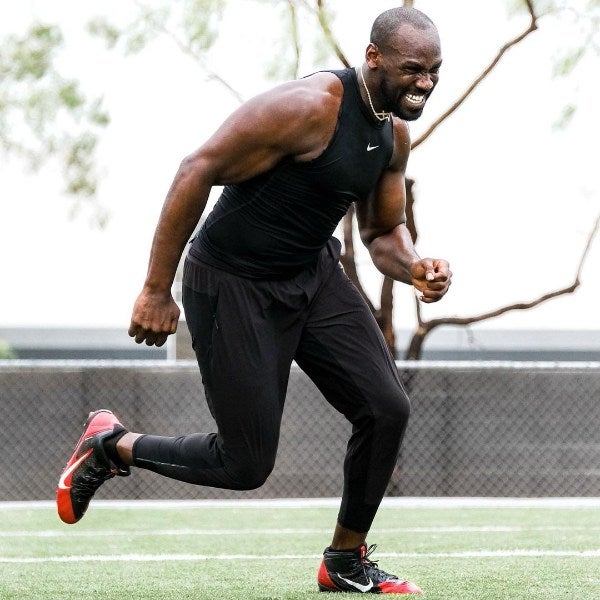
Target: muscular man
x: 263, y: 287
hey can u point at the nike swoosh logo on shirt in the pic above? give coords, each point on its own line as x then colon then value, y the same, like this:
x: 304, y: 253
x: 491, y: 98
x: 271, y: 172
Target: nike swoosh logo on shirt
x: 358, y: 586
x: 369, y: 147
x: 69, y: 470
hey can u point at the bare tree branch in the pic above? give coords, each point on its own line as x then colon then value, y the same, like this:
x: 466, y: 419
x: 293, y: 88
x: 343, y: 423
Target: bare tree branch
x: 385, y: 315
x: 588, y: 245
x: 187, y: 49
x: 295, y: 37
x: 425, y: 327
x: 531, y: 28
x: 324, y: 23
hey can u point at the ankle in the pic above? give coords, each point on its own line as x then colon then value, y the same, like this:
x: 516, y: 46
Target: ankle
x: 346, y: 540
x: 110, y: 447
x: 125, y: 447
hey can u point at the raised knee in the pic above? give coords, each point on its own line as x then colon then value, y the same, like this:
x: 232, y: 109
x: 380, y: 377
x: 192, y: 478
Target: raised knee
x: 401, y: 410
x: 249, y: 477
x: 393, y: 412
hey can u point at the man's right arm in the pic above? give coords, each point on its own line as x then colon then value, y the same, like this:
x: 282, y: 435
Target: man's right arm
x: 296, y: 119
x: 155, y: 313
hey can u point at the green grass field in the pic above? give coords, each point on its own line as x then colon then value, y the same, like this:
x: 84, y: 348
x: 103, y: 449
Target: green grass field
x: 266, y: 553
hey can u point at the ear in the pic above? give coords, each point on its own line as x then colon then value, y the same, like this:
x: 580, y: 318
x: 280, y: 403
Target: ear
x: 372, y: 56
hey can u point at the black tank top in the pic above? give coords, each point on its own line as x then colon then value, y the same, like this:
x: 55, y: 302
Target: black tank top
x: 275, y: 224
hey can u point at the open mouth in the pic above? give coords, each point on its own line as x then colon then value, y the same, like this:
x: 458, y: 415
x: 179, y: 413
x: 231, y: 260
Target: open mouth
x: 415, y: 99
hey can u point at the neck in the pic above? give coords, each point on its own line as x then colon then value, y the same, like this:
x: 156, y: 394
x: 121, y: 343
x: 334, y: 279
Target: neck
x: 379, y: 116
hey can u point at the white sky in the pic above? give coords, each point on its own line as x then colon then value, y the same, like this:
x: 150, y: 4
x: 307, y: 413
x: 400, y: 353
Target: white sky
x: 508, y: 200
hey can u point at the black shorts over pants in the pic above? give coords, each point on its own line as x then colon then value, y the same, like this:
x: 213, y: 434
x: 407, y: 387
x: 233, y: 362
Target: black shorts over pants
x: 245, y: 334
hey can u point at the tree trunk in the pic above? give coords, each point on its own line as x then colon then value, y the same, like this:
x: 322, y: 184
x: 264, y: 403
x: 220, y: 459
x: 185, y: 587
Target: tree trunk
x: 385, y: 315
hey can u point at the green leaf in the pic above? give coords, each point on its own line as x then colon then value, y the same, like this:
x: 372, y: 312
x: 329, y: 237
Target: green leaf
x: 30, y: 57
x: 568, y: 112
x: 201, y: 20
x: 100, y: 27
x: 567, y: 63
x: 97, y: 115
x: 70, y: 95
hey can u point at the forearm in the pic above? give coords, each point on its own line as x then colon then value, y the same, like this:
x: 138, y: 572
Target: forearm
x: 393, y: 253
x: 179, y: 217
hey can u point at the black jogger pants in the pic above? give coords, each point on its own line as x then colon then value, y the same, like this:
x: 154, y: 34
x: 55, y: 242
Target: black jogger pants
x: 245, y: 334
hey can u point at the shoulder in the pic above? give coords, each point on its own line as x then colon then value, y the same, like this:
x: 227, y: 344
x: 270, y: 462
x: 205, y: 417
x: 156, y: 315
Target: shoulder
x: 314, y: 97
x: 401, y: 134
x: 299, y: 116
x: 296, y: 118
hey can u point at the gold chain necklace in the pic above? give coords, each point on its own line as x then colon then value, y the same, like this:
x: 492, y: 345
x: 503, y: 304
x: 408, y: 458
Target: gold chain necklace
x: 380, y: 116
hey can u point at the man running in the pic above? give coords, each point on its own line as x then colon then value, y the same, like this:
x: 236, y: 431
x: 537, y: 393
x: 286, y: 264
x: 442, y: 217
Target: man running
x: 262, y: 287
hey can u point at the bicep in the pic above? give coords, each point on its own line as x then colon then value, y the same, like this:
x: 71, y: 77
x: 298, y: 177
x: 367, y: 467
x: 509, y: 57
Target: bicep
x: 240, y: 149
x: 385, y: 209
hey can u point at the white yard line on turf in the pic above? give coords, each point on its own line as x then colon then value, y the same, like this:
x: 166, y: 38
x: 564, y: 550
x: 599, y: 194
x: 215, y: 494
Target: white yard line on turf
x: 402, y: 502
x: 228, y: 557
x: 73, y: 533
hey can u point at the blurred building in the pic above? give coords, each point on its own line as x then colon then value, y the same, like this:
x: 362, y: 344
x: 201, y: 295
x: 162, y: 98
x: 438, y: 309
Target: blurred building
x: 446, y: 343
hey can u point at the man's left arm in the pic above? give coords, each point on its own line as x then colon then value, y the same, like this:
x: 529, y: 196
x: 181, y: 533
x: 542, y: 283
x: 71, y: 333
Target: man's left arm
x: 382, y: 225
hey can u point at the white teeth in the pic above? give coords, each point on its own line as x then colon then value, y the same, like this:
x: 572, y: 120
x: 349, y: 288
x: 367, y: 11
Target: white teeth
x: 415, y: 99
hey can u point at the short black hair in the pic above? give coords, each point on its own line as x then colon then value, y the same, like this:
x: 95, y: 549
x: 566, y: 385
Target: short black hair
x: 388, y: 22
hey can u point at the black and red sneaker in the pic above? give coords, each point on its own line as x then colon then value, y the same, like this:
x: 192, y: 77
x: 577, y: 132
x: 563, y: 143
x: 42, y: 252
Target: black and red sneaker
x: 89, y: 467
x: 352, y: 571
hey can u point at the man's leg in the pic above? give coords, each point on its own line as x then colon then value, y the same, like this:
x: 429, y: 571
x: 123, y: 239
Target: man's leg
x: 343, y: 352
x: 244, y: 361
x: 244, y: 348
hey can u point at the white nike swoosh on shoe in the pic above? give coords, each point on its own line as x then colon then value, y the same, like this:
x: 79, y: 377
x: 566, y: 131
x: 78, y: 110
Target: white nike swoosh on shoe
x: 369, y: 147
x: 358, y: 586
x: 69, y: 470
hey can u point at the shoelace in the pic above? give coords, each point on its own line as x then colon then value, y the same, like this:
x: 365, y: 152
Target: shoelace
x: 89, y: 483
x: 375, y: 572
x: 368, y: 552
